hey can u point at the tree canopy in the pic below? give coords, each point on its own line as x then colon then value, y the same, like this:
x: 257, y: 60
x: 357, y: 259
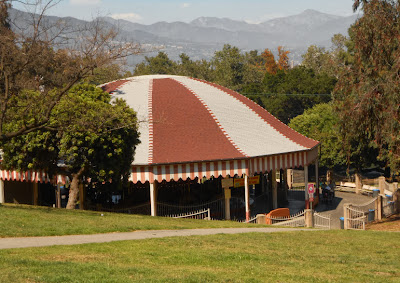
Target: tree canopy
x: 367, y: 94
x: 87, y: 135
x: 49, y: 61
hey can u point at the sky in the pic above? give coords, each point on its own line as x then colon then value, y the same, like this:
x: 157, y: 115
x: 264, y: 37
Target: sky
x: 151, y: 11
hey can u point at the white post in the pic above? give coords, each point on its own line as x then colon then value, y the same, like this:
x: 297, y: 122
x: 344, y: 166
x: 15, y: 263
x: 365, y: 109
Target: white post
x: 274, y: 190
x: 153, y: 198
x: 306, y: 185
x: 2, y: 200
x: 247, y: 197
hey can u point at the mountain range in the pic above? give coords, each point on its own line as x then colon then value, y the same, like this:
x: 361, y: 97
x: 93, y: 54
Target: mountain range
x: 201, y: 37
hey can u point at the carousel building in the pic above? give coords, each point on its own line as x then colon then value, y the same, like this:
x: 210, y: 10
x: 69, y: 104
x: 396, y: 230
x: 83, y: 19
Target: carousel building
x: 192, y: 129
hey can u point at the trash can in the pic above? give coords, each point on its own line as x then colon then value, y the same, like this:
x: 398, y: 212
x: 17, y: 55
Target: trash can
x: 341, y: 222
x: 375, y: 192
x: 371, y: 215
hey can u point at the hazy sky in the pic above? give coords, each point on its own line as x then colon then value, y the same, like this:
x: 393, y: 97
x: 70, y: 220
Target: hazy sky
x: 151, y: 11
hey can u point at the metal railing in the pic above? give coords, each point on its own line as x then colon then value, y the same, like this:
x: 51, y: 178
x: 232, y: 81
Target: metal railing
x: 216, y: 207
x: 295, y: 220
x: 321, y: 221
x: 201, y: 214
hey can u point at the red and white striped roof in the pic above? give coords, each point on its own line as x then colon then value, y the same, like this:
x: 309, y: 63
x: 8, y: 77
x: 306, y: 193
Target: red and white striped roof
x: 191, y: 128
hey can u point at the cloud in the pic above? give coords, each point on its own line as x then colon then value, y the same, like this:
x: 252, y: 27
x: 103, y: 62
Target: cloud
x: 185, y: 5
x: 132, y: 17
x: 84, y: 2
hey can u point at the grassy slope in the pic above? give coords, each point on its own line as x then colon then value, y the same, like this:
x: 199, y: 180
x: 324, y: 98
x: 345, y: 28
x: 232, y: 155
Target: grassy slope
x: 25, y: 220
x: 322, y: 256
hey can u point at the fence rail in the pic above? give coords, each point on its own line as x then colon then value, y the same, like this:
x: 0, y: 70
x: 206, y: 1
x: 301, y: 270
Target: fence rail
x: 321, y: 221
x: 200, y: 214
x: 296, y: 220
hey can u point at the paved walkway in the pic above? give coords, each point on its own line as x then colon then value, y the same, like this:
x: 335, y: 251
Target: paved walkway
x: 26, y: 242
x: 335, y: 209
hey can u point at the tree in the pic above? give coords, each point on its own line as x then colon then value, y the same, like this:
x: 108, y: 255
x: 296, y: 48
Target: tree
x: 93, y: 138
x: 283, y: 61
x: 270, y: 65
x: 367, y: 94
x: 160, y: 64
x: 229, y: 67
x: 48, y: 60
x: 320, y: 123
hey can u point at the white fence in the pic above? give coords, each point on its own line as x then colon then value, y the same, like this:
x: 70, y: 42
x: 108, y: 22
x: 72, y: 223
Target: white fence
x: 296, y: 220
x: 201, y: 214
x: 321, y: 221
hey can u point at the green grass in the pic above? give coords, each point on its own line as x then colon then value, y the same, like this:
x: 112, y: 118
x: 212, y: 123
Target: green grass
x: 25, y: 220
x: 320, y: 256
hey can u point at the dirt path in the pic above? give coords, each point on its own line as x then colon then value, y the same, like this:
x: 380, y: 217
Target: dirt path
x: 25, y: 242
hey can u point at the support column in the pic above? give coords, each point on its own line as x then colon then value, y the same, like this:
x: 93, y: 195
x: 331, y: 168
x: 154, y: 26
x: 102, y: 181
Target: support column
x: 289, y: 178
x: 309, y: 217
x: 2, y: 199
x: 58, y: 196
x: 274, y: 190
x: 359, y: 183
x: 378, y: 208
x: 35, y: 193
x: 306, y: 186
x: 382, y: 181
x: 285, y: 184
x: 227, y: 193
x: 81, y: 196
x: 153, y: 198
x: 247, y: 197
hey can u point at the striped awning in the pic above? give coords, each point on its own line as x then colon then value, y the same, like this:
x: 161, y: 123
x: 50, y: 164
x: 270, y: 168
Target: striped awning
x: 32, y: 176
x: 222, y: 168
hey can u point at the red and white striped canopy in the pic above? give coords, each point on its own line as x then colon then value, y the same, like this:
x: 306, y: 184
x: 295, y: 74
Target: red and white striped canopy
x: 191, y: 128
x: 31, y: 176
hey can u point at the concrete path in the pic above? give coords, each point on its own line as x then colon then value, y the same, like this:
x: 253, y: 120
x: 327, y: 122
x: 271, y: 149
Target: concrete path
x: 26, y: 242
x: 335, y: 209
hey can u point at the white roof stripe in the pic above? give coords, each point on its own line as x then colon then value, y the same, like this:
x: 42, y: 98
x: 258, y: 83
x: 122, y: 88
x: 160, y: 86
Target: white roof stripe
x: 246, y: 129
x: 136, y: 95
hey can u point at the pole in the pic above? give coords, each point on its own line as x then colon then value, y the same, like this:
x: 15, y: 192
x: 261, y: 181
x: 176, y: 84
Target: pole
x: 2, y: 199
x: 247, y: 197
x: 153, y: 198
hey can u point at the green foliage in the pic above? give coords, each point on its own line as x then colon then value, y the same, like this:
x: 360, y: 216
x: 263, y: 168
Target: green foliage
x: 367, y: 94
x: 320, y: 123
x: 86, y: 131
x: 159, y: 64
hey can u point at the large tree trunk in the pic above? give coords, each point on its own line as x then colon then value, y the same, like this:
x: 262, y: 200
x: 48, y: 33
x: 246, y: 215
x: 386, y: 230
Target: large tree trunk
x: 74, y: 189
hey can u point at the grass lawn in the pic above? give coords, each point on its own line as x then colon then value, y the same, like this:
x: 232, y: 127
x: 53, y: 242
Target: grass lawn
x: 320, y: 256
x: 26, y: 220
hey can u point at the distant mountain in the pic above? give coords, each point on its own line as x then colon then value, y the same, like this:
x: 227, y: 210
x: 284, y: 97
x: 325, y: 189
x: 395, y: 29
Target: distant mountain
x: 203, y: 36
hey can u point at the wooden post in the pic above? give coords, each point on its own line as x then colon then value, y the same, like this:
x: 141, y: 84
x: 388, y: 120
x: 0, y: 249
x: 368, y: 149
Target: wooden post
x: 58, y: 196
x: 306, y: 186
x: 35, y: 193
x: 378, y: 208
x: 285, y: 187
x: 274, y: 190
x: 358, y: 183
x: 247, y: 196
x: 153, y: 198
x: 227, y: 193
x: 81, y: 196
x: 382, y: 181
x: 2, y: 199
x: 261, y: 219
x: 289, y: 178
x: 345, y: 216
x: 396, y: 197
